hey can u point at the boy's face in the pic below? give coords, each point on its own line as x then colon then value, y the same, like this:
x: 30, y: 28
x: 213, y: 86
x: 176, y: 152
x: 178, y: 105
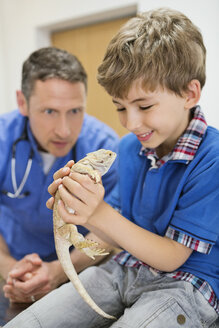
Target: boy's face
x: 56, y: 111
x: 157, y: 118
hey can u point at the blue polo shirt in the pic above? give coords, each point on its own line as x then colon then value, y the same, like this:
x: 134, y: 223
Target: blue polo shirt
x: 26, y: 223
x: 181, y: 194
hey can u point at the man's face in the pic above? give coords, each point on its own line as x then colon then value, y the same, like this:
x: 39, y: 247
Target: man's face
x: 157, y: 118
x: 56, y: 111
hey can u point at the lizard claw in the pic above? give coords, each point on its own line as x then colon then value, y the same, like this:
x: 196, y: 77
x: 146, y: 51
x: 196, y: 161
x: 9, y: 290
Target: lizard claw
x: 94, y: 252
x: 89, y: 247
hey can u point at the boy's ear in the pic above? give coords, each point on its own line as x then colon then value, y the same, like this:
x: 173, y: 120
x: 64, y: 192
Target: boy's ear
x: 22, y: 103
x: 193, y: 94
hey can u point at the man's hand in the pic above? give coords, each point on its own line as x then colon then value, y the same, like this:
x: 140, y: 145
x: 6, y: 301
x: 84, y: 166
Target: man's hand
x: 32, y: 277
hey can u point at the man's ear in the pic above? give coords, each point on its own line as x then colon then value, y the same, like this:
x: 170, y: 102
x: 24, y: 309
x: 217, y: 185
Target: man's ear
x: 22, y: 103
x: 193, y: 94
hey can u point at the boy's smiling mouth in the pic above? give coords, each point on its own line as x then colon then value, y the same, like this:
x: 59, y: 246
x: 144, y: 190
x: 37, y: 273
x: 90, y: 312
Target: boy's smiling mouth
x: 145, y: 136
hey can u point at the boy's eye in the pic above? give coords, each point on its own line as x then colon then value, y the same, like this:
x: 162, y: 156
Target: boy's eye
x: 145, y: 107
x: 120, y: 109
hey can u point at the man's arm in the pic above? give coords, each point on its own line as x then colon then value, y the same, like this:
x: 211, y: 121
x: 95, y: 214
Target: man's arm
x: 6, y: 260
x: 49, y: 275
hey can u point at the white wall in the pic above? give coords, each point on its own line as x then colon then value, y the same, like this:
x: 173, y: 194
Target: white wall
x: 2, y: 71
x: 25, y: 26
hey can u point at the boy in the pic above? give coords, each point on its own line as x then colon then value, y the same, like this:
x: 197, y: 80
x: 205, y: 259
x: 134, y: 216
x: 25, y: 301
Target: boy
x: 163, y: 211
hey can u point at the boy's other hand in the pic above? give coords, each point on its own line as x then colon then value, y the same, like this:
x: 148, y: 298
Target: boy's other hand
x: 58, y: 175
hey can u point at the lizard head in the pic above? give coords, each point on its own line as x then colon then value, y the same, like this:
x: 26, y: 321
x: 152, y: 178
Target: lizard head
x: 101, y: 160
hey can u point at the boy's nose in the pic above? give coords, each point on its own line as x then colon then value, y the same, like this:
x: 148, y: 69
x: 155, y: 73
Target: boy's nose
x: 133, y: 122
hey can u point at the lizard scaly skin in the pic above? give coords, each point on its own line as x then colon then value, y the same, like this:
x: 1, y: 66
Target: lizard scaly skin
x: 66, y: 235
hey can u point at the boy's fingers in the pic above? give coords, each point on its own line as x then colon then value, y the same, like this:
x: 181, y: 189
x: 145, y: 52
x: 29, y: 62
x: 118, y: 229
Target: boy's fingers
x: 70, y: 163
x: 64, y: 170
x: 54, y: 186
x: 61, y: 172
x: 85, y: 180
x: 50, y: 203
x: 66, y: 216
x: 57, y: 176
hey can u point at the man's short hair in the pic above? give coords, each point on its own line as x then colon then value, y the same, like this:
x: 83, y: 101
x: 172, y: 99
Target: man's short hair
x: 50, y: 62
x: 162, y: 47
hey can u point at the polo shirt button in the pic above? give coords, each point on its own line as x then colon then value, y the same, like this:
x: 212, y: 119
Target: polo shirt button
x: 181, y: 319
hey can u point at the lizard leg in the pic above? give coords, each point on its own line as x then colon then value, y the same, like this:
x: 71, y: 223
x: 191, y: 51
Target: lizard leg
x: 89, y: 247
x: 69, y: 232
x: 82, y: 242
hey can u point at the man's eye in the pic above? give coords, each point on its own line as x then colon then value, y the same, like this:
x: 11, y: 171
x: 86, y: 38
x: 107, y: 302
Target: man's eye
x: 76, y: 110
x: 49, y: 111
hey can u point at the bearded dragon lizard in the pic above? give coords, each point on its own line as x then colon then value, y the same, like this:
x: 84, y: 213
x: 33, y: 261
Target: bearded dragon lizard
x: 65, y: 235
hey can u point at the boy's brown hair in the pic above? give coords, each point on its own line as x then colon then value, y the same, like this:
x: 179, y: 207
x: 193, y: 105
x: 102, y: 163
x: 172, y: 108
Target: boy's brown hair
x: 162, y: 47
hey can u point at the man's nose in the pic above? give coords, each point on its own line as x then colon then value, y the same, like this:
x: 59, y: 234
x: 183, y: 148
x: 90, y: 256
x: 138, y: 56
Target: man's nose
x: 62, y: 128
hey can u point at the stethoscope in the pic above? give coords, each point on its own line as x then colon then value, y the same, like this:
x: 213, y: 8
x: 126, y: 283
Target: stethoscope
x: 18, y: 189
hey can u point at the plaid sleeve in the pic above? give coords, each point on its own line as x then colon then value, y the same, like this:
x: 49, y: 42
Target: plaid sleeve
x: 188, y: 241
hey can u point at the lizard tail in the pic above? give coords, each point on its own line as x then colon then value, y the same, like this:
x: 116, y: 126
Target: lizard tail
x: 62, y: 249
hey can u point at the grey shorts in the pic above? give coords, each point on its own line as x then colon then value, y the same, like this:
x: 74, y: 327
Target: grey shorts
x: 137, y: 297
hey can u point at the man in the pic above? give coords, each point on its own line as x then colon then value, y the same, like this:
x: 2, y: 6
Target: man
x: 49, y: 129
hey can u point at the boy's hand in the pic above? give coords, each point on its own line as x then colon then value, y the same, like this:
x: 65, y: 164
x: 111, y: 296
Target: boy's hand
x: 58, y: 175
x: 81, y: 193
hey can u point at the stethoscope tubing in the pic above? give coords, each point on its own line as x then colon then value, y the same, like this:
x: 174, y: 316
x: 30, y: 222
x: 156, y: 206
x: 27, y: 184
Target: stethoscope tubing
x: 18, y: 190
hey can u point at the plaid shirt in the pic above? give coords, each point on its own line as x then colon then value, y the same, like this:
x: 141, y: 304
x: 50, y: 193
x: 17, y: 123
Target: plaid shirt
x: 185, y: 149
